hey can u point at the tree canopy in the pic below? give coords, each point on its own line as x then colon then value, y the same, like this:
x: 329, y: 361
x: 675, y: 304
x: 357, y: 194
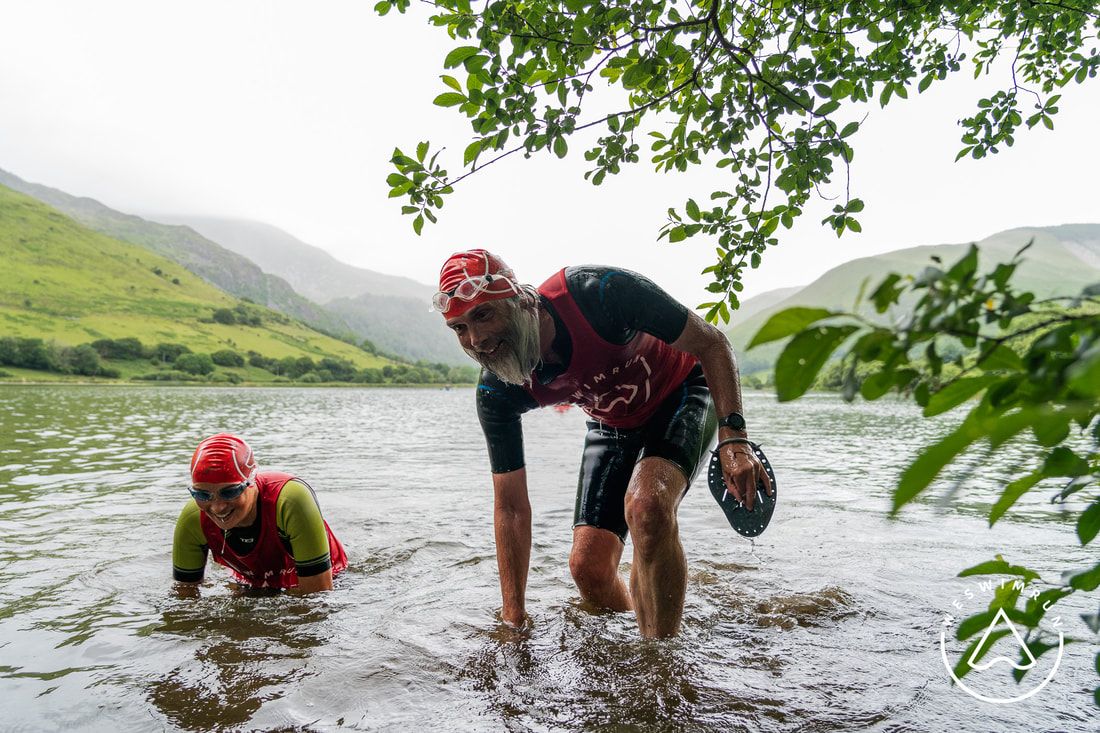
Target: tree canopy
x: 770, y: 92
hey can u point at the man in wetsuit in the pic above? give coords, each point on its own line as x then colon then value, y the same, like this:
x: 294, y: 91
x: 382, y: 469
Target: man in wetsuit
x: 650, y: 374
x: 265, y: 526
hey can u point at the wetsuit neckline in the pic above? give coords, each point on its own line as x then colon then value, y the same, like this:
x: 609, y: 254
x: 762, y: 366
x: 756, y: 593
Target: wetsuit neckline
x: 562, y: 346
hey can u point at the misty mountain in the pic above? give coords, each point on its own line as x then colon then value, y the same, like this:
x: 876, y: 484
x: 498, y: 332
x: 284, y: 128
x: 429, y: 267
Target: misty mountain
x: 213, y: 263
x: 1061, y: 261
x: 389, y: 310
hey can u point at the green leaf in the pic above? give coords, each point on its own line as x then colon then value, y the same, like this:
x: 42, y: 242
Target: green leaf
x: 418, y: 224
x: 1011, y: 494
x: 1038, y: 648
x: 458, y: 55
x: 876, y: 385
x: 421, y: 151
x: 886, y: 293
x: 849, y: 129
x: 677, y: 234
x: 449, y: 99
x: 1086, y: 581
x: 842, y: 89
x: 931, y: 461
x: 805, y: 354
x: 788, y: 322
x: 1062, y: 461
x: 1002, y: 358
x: 451, y: 82
x: 561, y: 148
x: 471, y: 152
x: 396, y: 179
x: 972, y: 651
x: 999, y: 566
x: 1088, y: 524
x: 956, y: 393
x: 692, y: 209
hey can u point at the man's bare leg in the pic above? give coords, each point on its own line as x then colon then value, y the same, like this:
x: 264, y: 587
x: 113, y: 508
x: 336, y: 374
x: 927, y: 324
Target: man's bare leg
x: 594, y: 563
x: 658, y: 576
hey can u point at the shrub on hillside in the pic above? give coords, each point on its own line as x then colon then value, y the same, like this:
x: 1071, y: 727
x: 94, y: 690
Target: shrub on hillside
x: 370, y: 376
x: 224, y: 316
x: 310, y: 378
x: 84, y: 360
x: 195, y: 363
x: 123, y: 349
x: 168, y: 353
x: 260, y: 361
x: 341, y: 369
x: 29, y: 354
x: 227, y: 358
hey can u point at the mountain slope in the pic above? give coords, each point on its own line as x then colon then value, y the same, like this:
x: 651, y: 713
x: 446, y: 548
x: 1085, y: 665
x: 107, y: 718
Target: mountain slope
x: 73, y: 285
x: 1061, y: 261
x: 391, y: 311
x: 227, y: 270
x: 311, y: 271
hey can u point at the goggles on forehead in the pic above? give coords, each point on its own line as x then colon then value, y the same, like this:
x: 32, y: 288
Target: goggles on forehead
x: 471, y: 288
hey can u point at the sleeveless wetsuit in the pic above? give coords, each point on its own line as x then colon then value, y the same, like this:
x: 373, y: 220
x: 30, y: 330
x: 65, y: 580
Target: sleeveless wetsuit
x: 612, y: 331
x: 288, y: 539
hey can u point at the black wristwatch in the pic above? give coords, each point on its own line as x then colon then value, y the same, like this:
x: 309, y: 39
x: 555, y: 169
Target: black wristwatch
x: 733, y: 421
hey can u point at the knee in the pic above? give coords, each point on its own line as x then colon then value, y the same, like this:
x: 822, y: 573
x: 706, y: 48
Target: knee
x: 589, y: 573
x: 650, y: 520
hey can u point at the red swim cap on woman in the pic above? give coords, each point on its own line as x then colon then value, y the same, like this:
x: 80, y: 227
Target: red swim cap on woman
x: 474, y: 264
x: 221, y: 459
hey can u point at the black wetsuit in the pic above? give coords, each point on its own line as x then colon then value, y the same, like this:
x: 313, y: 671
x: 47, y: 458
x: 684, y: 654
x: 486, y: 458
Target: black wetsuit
x: 617, y: 304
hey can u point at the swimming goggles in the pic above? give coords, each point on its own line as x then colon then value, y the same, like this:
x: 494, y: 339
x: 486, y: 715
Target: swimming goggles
x: 471, y: 287
x: 225, y: 493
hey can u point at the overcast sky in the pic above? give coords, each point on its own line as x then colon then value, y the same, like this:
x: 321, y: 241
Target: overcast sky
x: 287, y: 112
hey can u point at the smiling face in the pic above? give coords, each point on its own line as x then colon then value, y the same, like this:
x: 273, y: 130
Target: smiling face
x: 238, y: 512
x: 502, y: 336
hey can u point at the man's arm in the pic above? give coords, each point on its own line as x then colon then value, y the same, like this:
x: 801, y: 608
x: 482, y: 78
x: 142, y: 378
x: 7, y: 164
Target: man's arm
x: 512, y: 526
x: 739, y: 464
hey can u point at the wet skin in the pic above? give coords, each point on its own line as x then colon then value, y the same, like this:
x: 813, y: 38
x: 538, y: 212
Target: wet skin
x: 241, y: 512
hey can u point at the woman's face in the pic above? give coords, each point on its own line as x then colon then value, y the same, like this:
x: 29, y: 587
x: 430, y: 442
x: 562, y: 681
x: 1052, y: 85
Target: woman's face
x: 240, y: 511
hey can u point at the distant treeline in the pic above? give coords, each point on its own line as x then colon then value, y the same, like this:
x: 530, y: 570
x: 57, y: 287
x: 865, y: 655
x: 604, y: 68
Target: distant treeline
x: 177, y: 362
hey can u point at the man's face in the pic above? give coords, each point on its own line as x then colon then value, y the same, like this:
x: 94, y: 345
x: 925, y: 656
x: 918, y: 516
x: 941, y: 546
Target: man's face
x: 501, y: 336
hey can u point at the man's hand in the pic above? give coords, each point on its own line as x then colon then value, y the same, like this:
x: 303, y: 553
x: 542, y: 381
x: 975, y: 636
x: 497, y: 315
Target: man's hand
x: 742, y: 470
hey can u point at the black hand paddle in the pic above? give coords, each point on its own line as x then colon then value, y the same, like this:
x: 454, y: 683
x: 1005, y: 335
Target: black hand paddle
x: 747, y: 524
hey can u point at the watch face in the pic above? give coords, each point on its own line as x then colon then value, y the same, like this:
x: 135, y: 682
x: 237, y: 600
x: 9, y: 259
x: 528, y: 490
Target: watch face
x: 733, y: 421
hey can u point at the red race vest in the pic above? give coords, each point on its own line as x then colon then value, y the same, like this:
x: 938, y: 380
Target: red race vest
x: 268, y: 564
x: 620, y: 385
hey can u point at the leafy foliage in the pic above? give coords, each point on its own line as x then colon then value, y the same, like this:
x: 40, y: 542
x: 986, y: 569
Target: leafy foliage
x: 769, y: 92
x: 1031, y: 372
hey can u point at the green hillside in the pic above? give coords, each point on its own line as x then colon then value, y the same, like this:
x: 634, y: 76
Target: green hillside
x: 391, y: 311
x: 71, y: 285
x: 1061, y: 261
x: 213, y: 263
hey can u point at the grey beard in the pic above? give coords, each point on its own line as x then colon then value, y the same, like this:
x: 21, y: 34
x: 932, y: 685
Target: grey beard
x: 520, y: 348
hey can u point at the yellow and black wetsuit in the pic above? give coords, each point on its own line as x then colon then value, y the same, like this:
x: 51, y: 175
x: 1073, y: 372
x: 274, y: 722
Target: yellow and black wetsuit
x: 300, y: 526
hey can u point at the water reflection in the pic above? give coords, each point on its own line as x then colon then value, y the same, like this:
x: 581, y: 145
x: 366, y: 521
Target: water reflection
x: 249, y: 649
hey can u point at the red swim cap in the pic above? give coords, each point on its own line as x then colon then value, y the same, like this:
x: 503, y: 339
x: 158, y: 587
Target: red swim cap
x: 463, y: 285
x: 221, y: 459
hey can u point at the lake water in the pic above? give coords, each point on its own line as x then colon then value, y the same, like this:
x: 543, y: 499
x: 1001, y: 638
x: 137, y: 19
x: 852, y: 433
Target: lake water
x: 829, y: 622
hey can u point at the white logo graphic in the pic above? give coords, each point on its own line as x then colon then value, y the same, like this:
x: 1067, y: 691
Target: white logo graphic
x: 991, y: 671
